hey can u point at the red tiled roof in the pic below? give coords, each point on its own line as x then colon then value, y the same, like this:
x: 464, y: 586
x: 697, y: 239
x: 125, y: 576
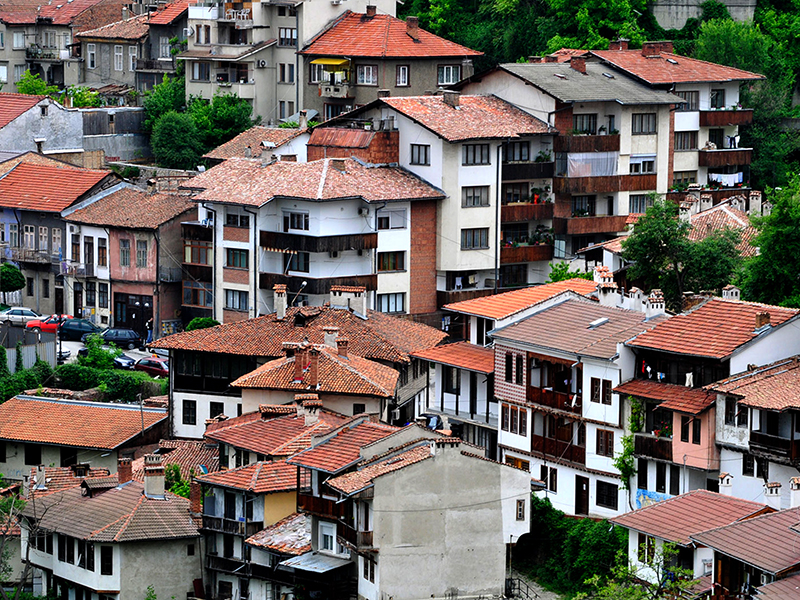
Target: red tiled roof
x: 341, y: 137
x: 772, y: 387
x: 462, y: 355
x: 355, y: 481
x: 57, y: 479
x: 614, y: 246
x: 379, y: 337
x: 46, y: 188
x: 673, y: 397
x: 290, y: 535
x: 782, y: 589
x: 63, y: 13
x: 767, y: 542
x: 677, y: 518
x: 245, y: 181
x: 343, y: 448
x: 351, y: 375
x: 129, y: 29
x: 724, y: 216
x: 100, y: 425
x: 193, y: 457
x: 666, y: 68
x: 132, y: 208
x: 259, y: 478
x: 15, y: 105
x: 566, y: 54
x: 253, y: 138
x: 169, y: 13
x: 381, y: 36
x: 475, y: 117
x: 714, y: 329
x: 502, y: 306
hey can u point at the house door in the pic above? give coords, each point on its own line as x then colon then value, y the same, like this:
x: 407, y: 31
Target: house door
x: 581, y: 495
x: 473, y: 393
x: 59, y: 300
x: 77, y: 297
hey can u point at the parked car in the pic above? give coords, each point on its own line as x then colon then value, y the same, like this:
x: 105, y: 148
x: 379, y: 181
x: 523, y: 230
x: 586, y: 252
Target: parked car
x: 154, y: 366
x: 123, y: 361
x: 75, y: 329
x: 48, y: 325
x: 18, y: 315
x: 123, y: 338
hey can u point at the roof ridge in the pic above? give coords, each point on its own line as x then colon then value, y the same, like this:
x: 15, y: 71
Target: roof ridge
x: 129, y: 517
x: 256, y: 473
x: 340, y: 361
x: 773, y: 513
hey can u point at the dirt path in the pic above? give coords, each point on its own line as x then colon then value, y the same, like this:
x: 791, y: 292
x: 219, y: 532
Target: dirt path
x: 543, y: 593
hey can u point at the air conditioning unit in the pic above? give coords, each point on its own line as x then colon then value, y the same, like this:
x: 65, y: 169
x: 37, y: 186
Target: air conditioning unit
x: 363, y: 211
x: 396, y: 414
x: 472, y: 279
x: 361, y: 252
x: 261, y: 64
x: 188, y: 32
x: 72, y: 229
x: 333, y: 254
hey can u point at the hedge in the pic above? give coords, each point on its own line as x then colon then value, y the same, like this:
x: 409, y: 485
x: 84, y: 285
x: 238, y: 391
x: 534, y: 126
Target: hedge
x: 120, y: 385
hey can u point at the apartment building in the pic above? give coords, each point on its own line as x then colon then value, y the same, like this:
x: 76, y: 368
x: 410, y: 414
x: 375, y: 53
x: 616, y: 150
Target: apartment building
x: 250, y: 49
x: 168, y: 22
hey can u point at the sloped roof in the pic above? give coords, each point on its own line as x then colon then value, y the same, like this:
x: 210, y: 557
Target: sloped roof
x: 724, y: 216
x: 672, y: 397
x: 462, y: 355
x: 100, y: 425
x: 290, y: 535
x: 502, y: 306
x: 788, y: 587
x: 15, y: 105
x: 61, y: 478
x: 258, y: 478
x: 355, y: 481
x: 714, y: 329
x: 381, y: 36
x: 253, y: 137
x: 772, y: 387
x: 134, y: 28
x: 614, y: 246
x: 679, y: 517
x: 46, y: 188
x: 341, y: 137
x: 62, y: 13
x: 379, y: 337
x: 170, y: 13
x: 190, y: 455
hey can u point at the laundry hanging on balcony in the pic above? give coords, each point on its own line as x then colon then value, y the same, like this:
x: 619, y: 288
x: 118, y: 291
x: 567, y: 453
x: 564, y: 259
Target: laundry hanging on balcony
x: 592, y: 164
x: 726, y: 179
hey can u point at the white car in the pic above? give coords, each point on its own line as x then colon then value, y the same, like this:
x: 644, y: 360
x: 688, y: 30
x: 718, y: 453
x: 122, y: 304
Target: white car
x: 18, y: 315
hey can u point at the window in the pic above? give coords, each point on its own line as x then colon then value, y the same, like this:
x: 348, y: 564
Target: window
x: 33, y: 454
x: 684, y: 177
x: 674, y: 480
x: 106, y: 560
x: 642, y: 164
x: 190, y: 550
x: 91, y: 293
x: 477, y: 195
x: 215, y: 409
x: 295, y: 220
x: 237, y: 259
x: 605, y: 443
x: 203, y: 35
x: 692, y: 100
x: 29, y: 236
x: 369, y: 569
x: 285, y: 73
x: 13, y: 235
x: 401, y: 79
x: 237, y: 220
x: 516, y: 151
x: 661, y: 477
x: 367, y: 74
x: 647, y: 548
x: 359, y: 408
x: 189, y: 412
x: 741, y: 418
x: 449, y: 74
x: 29, y: 286
x: 82, y: 554
x: 287, y: 36
x: 762, y: 468
x: 518, y: 373
x: 43, y: 110
x: 452, y: 380
x: 163, y: 46
x: 601, y: 390
x: 102, y: 252
x: 390, y: 303
x: 717, y: 98
x: 748, y: 465
x: 201, y: 71
x: 549, y: 475
x: 643, y: 123
x: 685, y: 428
x: 685, y: 140
x: 514, y: 420
x: 44, y: 237
x: 102, y: 295
x: 236, y: 300
x: 18, y: 39
x: 296, y: 262
x: 3, y: 72
x: 19, y: 71
x: 639, y: 203
x: 141, y: 253
x: 520, y: 510
x: 316, y: 73
x: 606, y: 396
x: 607, y: 495
x: 641, y: 474
x: 391, y: 261
x: 515, y: 192
x: 46, y: 288
x: 132, y: 53
x: 717, y: 137
x: 730, y: 411
x: 124, y: 253
x: 49, y: 39
x: 473, y: 239
x: 585, y: 123
x: 475, y: 154
x: 118, y: 58
x: 56, y: 249
x: 509, y: 367
x: 327, y: 536
x: 62, y: 548
x: 583, y: 206
x: 197, y: 293
x: 420, y: 154
x: 197, y: 252
x: 394, y: 218
x: 697, y: 428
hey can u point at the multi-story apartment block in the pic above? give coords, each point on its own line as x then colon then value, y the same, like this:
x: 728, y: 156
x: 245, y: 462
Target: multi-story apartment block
x: 359, y: 54
x: 250, y: 49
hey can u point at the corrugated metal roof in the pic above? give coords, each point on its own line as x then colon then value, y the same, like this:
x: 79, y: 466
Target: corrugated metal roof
x: 315, y: 562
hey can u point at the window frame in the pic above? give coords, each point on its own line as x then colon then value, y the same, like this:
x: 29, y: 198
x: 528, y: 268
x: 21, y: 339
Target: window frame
x: 475, y: 238
x: 287, y: 37
x: 471, y: 199
x: 391, y: 262
x: 476, y: 154
x: 387, y: 219
x: 420, y: 155
x: 389, y: 298
x: 644, y: 124
x: 520, y: 510
x: 445, y: 72
x: 402, y: 81
x: 686, y: 141
x: 119, y: 57
x: 610, y: 490
x: 361, y: 75
x: 585, y: 123
x: 691, y: 100
x: 604, y: 443
x: 238, y: 300
x: 237, y: 258
x: 141, y: 254
x: 124, y: 253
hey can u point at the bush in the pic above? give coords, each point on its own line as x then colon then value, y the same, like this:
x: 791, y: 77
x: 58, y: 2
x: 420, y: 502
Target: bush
x: 77, y: 377
x: 201, y: 323
x: 4, y: 370
x: 97, y: 356
x: 124, y: 385
x: 42, y: 371
x: 175, y: 141
x: 19, y: 365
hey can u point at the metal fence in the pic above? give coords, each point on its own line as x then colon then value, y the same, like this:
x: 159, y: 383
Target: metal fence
x: 43, y: 344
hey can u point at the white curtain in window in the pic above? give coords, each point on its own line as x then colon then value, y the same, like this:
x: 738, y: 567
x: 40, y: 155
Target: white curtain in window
x: 592, y: 164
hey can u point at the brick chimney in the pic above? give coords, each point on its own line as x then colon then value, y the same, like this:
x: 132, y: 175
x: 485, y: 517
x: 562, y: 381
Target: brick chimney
x: 762, y: 319
x: 412, y: 27
x: 535, y: 59
x: 550, y: 58
x: 331, y: 333
x: 726, y: 484
x: 371, y: 10
x: 279, y: 295
x: 153, y: 476
x: 299, y: 363
x: 666, y: 46
x: 308, y: 405
x: 124, y: 470
x: 195, y: 498
x: 313, y: 368
x: 794, y: 492
x: 450, y: 98
x: 651, y: 49
x: 578, y: 63
x: 341, y: 345
x: 772, y: 494
x: 619, y: 44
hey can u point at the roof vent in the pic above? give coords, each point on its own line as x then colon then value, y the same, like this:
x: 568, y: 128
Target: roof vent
x: 672, y: 60
x: 609, y: 75
x: 597, y: 322
x: 560, y: 75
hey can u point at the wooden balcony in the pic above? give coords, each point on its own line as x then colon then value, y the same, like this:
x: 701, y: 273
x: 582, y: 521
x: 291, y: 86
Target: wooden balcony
x: 604, y: 185
x: 519, y: 212
x: 525, y: 171
x: 726, y: 118
x: 774, y: 445
x: 523, y: 254
x: 586, y: 225
x: 226, y: 565
x: 320, y: 506
x: 731, y: 157
x: 652, y: 446
x: 361, y: 540
x: 308, y: 243
x: 717, y: 195
x: 242, y: 528
x: 448, y: 297
x: 558, y: 449
x: 316, y: 286
x: 553, y: 399
x: 586, y: 143
x: 161, y: 66
x: 26, y: 255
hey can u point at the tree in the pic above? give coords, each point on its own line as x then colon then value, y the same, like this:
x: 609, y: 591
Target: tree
x: 97, y: 356
x: 560, y: 272
x: 83, y: 97
x: 220, y: 120
x: 174, y: 482
x: 169, y: 95
x: 773, y: 277
x: 201, y: 323
x: 11, y: 279
x: 33, y: 85
x: 175, y: 141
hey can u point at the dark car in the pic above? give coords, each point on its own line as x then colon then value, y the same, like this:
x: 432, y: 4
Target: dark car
x: 123, y: 361
x: 75, y: 329
x: 122, y: 338
x: 153, y: 366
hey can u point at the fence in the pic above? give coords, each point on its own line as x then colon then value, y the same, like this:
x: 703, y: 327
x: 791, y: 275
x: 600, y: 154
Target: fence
x: 43, y: 344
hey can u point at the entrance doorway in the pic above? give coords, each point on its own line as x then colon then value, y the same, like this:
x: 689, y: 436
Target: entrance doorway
x: 581, y: 495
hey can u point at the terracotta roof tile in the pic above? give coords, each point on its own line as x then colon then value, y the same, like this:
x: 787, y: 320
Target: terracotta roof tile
x: 672, y: 397
x: 259, y: 478
x: 502, y: 306
x: 614, y: 246
x: 129, y: 29
x: 57, y: 479
x: 341, y: 137
x: 355, y: 481
x: 15, y: 105
x: 253, y: 137
x: 132, y: 208
x: 290, y: 535
x: 190, y: 455
x: 381, y: 36
x: 98, y: 425
x: 46, y: 188
x: 679, y: 517
x: 77, y: 12
x: 462, y: 355
x: 379, y: 337
x: 714, y: 329
x: 170, y: 13
x: 772, y: 387
x: 788, y: 587
x: 724, y: 216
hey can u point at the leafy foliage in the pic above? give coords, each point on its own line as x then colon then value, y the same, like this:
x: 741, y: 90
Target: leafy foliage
x: 560, y: 272
x: 167, y: 96
x: 625, y: 461
x: 175, y: 483
x: 11, y: 278
x: 175, y: 141
x: 220, y: 120
x: 18, y: 364
x: 201, y: 323
x: 4, y: 370
x: 97, y: 356
x: 33, y: 85
x: 83, y: 97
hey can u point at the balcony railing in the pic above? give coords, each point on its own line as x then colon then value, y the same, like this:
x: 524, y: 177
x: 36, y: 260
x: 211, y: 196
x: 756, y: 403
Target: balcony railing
x: 227, y: 565
x: 726, y: 118
x: 727, y: 157
x: 651, y: 446
x: 361, y: 540
x: 32, y: 256
x: 586, y: 143
x: 242, y: 528
x: 316, y: 286
x: 586, y: 225
x: 558, y: 400
x: 604, y: 184
x: 335, y: 90
x: 516, y: 171
x: 717, y: 195
x: 448, y: 297
x: 308, y: 243
x: 559, y: 449
x: 522, y: 254
x: 164, y: 65
x: 783, y: 447
x: 320, y: 506
x: 75, y: 269
x: 519, y: 212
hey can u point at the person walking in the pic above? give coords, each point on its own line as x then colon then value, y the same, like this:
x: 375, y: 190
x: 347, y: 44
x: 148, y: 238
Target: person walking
x: 149, y: 326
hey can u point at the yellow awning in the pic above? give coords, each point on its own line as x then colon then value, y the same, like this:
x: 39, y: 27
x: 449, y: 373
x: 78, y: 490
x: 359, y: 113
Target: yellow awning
x: 334, y: 62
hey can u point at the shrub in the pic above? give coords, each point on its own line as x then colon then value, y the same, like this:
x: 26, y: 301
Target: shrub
x: 123, y: 385
x: 42, y: 371
x: 18, y: 364
x: 4, y: 370
x: 97, y: 356
x: 78, y: 377
x: 201, y: 323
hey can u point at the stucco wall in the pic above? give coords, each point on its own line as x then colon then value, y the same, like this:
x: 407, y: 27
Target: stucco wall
x: 61, y: 128
x: 143, y: 564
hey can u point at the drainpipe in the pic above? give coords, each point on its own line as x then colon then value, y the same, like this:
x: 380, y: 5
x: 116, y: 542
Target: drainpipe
x: 157, y: 290
x: 297, y: 61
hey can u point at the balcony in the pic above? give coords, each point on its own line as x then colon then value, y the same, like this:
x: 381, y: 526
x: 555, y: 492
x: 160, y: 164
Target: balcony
x: 361, y: 540
x: 221, y: 525
x: 726, y: 118
x: 523, y: 254
x: 170, y: 274
x: 716, y: 195
x: 651, y: 446
x: 518, y: 212
x: 226, y: 565
x: 316, y: 286
x: 586, y: 143
x: 81, y: 270
x: 38, y: 53
x: 516, y: 171
x: 559, y: 400
x: 320, y: 506
x: 32, y: 256
x: 243, y: 17
x: 587, y: 225
x: 166, y: 65
x: 729, y: 157
x: 774, y: 445
x: 328, y: 243
x: 335, y: 90
x: 448, y: 297
x: 604, y: 184
x: 559, y: 449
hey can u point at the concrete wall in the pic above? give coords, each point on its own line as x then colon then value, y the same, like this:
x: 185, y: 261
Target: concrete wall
x: 251, y: 398
x: 62, y: 129
x: 142, y: 564
x: 672, y: 14
x: 203, y: 401
x: 15, y: 468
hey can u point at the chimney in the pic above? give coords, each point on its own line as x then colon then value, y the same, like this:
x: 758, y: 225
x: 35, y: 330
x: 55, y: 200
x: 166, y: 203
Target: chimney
x: 550, y: 58
x: 651, y: 49
x: 666, y: 46
x: 467, y: 68
x: 731, y: 292
x: 313, y: 368
x: 248, y: 152
x: 619, y: 44
x: 762, y: 319
x: 279, y: 295
x: 125, y: 13
x: 350, y: 297
x: 450, y: 98
x: 726, y: 484
x: 371, y: 10
x: 299, y: 362
x: 794, y: 492
x: 654, y: 305
x: 412, y: 27
x: 308, y: 405
x: 195, y: 498
x: 578, y: 63
x: 341, y: 345
x: 755, y: 202
x: 772, y: 494
x: 153, y: 476
x: 331, y: 333
x: 40, y: 478
x: 302, y: 120
x: 124, y: 470
x: 338, y: 164
x: 39, y: 144
x: 152, y: 186
x: 384, y: 93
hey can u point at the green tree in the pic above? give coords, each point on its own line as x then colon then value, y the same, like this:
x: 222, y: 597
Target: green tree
x: 592, y: 24
x: 175, y: 483
x: 19, y: 365
x: 560, y: 272
x: 97, y: 356
x: 33, y: 85
x: 220, y: 120
x: 167, y: 96
x: 175, y: 141
x: 83, y: 97
x: 201, y: 323
x: 11, y: 279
